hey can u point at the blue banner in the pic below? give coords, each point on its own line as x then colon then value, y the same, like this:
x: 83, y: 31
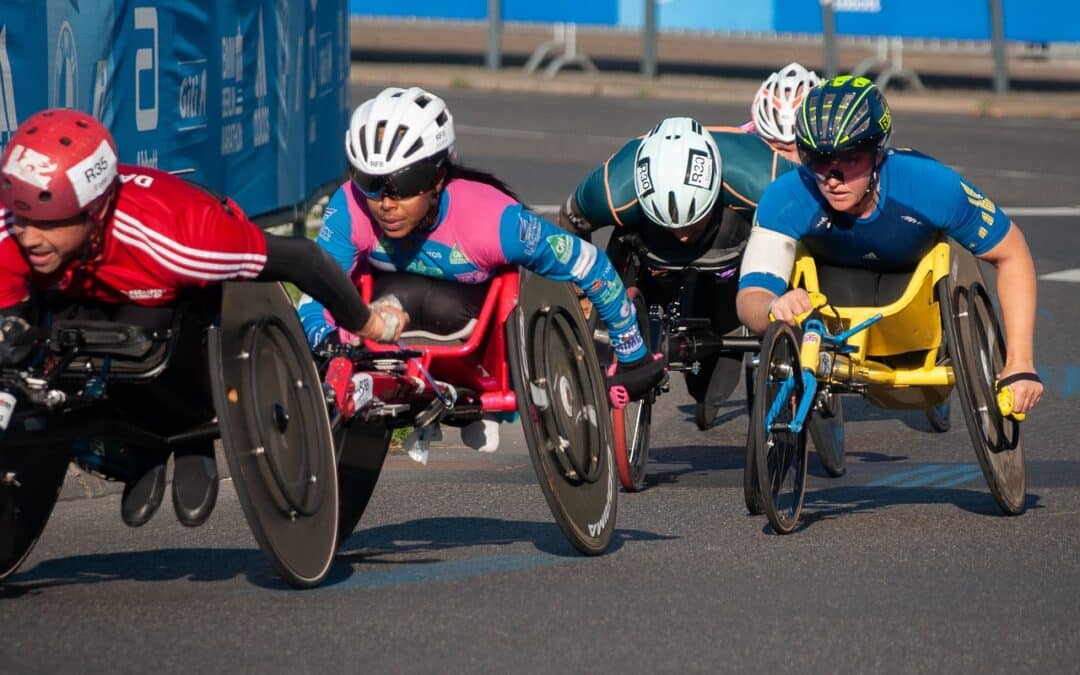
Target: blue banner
x: 1041, y: 21
x: 248, y: 97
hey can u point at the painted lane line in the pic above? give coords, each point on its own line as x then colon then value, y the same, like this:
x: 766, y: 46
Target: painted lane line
x: 976, y: 472
x: 905, y: 475
x: 452, y: 570
x: 1062, y: 275
x: 945, y: 472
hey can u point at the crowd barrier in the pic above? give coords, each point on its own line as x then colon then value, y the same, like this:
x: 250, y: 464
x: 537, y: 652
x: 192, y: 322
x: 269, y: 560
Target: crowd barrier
x: 248, y: 97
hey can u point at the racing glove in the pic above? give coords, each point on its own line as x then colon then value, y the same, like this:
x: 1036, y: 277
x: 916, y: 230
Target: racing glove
x: 633, y: 381
x: 17, y: 338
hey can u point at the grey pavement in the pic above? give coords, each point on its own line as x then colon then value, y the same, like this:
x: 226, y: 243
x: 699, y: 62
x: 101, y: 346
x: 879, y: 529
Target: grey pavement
x: 696, y: 67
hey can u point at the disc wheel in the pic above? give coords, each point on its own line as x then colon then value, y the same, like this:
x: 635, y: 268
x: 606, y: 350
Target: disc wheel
x: 977, y: 350
x: 361, y: 449
x: 780, y: 455
x: 630, y: 426
x: 826, y: 426
x: 30, y: 482
x: 275, y: 431
x: 562, y: 398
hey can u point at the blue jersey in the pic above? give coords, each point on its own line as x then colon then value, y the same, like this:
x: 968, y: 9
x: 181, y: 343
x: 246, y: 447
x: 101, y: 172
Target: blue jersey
x: 919, y: 199
x: 478, y: 230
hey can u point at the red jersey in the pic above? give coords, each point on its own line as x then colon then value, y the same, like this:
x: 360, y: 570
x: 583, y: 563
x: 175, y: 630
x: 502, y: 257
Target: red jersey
x: 163, y: 234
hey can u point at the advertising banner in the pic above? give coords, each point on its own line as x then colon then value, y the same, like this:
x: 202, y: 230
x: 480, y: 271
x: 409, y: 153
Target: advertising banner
x: 248, y: 97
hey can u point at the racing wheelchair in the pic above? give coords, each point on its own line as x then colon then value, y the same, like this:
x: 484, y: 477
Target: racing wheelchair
x: 665, y: 290
x: 92, y: 388
x: 941, y: 332
x: 526, y: 353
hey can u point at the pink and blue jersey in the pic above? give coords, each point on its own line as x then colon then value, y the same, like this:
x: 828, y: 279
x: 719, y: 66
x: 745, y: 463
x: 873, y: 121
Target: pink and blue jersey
x: 478, y: 230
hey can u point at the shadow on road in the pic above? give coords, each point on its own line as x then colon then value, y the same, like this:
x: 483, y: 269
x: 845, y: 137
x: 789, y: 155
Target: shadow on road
x: 434, y: 535
x: 830, y: 503
x: 193, y: 564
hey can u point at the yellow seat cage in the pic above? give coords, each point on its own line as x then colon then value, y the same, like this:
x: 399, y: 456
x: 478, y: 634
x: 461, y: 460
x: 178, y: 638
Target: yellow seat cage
x: 895, y: 362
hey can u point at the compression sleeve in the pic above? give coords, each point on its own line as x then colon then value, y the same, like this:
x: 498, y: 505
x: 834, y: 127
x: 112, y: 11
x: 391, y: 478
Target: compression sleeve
x: 302, y: 262
x: 541, y: 247
x: 335, y: 239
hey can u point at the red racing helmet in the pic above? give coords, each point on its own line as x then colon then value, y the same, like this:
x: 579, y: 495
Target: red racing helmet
x: 58, y: 163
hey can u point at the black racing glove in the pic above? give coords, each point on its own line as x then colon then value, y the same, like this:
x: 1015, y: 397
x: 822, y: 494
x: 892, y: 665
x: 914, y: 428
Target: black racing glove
x: 17, y: 339
x: 633, y: 381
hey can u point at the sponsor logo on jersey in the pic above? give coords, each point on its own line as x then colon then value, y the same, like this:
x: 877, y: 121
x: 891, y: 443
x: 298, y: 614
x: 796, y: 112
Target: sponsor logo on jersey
x: 870, y: 256
x: 823, y: 223
x: 477, y: 277
x: 145, y: 293
x: 977, y: 200
x: 911, y: 219
x: 611, y: 291
x: 528, y: 231
x: 457, y: 257
x: 625, y: 309
x: 700, y: 171
x: 629, y: 343
x: 562, y: 245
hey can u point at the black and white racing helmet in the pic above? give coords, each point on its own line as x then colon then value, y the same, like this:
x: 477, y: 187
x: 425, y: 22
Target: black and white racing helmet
x: 677, y: 174
x: 399, y: 128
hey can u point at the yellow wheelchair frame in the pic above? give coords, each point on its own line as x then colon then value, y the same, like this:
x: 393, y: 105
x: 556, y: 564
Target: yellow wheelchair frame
x: 909, y: 354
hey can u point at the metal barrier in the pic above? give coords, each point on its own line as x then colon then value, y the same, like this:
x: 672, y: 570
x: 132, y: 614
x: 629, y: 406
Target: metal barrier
x: 892, y: 24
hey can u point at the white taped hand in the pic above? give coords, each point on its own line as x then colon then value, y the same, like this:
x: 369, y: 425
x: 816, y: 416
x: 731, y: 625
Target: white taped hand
x: 391, y: 319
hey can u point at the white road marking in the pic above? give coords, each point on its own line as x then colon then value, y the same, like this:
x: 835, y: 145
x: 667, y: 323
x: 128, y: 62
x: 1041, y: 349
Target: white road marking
x: 1072, y: 275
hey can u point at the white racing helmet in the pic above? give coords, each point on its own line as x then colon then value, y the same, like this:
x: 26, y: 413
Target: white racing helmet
x: 677, y: 174
x: 777, y: 102
x: 398, y: 128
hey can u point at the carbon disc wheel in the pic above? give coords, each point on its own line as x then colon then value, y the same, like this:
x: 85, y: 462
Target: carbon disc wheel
x: 275, y: 431
x: 562, y: 400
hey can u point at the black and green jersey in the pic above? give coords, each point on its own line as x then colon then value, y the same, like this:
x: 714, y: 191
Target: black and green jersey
x: 748, y: 164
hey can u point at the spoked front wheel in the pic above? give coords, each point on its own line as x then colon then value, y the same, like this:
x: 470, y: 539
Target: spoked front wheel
x: 779, y: 453
x: 977, y: 348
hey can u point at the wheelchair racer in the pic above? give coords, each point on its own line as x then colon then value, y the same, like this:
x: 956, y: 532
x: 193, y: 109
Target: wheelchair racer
x: 647, y: 191
x: 101, y: 240
x: 860, y: 206
x: 776, y: 104
x: 411, y: 208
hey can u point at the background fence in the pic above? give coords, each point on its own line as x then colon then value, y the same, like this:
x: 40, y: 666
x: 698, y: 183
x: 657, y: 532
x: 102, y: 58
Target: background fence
x: 249, y: 96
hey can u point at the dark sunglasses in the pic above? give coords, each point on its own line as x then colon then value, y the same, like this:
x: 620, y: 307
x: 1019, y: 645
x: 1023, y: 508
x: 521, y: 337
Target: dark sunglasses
x: 826, y: 164
x: 402, y: 184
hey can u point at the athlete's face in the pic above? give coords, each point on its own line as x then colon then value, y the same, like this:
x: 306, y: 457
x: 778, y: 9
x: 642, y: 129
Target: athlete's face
x: 844, y: 178
x: 49, y: 245
x: 397, y: 217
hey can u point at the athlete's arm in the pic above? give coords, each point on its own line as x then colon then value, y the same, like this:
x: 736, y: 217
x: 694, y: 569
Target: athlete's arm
x: 1017, y: 291
x: 539, y: 246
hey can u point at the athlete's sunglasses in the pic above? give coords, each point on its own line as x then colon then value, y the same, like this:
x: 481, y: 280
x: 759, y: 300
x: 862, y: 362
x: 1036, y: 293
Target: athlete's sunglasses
x: 402, y: 184
x: 841, y: 165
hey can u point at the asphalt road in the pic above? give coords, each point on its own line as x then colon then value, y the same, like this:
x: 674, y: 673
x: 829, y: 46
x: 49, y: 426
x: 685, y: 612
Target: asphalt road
x: 459, y: 567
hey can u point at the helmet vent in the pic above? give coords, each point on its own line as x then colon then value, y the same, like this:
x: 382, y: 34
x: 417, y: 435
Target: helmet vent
x: 65, y: 141
x: 692, y: 210
x: 81, y: 124
x: 380, y: 129
x: 422, y: 101
x: 398, y: 135
x: 441, y: 119
x: 673, y: 206
x: 415, y: 146
x: 45, y: 196
x: 363, y: 142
